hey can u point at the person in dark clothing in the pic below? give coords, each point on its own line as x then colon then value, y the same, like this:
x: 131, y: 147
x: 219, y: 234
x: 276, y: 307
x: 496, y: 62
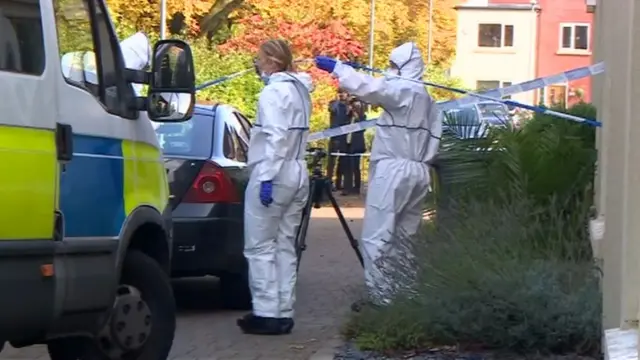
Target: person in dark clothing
x: 338, y: 110
x: 355, y: 146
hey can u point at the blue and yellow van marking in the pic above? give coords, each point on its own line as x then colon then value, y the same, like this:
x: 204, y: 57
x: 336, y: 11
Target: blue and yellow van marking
x: 103, y: 183
x: 92, y: 188
x: 106, y: 180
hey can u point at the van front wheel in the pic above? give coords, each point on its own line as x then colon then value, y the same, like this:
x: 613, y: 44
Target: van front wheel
x: 142, y: 322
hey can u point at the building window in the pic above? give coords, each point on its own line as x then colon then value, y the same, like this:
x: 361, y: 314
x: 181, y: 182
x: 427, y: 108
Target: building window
x: 554, y: 95
x: 574, y: 36
x: 495, y: 35
x: 485, y: 85
x: 21, y: 38
x: 506, y: 84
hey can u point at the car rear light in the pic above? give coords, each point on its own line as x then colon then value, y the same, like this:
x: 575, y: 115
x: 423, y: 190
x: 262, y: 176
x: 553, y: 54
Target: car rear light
x: 212, y: 185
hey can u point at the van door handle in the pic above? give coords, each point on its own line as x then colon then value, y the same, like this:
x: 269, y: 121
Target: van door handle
x: 64, y: 142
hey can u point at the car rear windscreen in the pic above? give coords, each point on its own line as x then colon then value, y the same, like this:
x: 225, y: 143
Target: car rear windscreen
x: 192, y: 138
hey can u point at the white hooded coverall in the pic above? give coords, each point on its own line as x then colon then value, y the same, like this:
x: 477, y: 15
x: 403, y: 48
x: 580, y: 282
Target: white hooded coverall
x: 276, y: 153
x: 407, y: 139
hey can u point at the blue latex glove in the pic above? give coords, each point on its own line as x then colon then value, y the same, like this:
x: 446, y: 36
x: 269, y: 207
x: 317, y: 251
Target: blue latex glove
x: 325, y: 63
x: 266, y: 190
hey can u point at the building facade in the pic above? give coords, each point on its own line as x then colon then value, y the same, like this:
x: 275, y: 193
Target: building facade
x: 501, y: 42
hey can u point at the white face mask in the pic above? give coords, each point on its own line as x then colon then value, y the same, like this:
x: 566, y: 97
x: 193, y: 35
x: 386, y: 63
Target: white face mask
x: 264, y: 77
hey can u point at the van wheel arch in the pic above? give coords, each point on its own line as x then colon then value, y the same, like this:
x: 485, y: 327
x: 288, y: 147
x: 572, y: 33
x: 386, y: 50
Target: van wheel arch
x: 146, y: 230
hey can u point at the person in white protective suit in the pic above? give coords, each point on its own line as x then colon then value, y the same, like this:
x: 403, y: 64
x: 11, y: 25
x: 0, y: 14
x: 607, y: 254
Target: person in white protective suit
x: 406, y: 141
x: 277, y: 191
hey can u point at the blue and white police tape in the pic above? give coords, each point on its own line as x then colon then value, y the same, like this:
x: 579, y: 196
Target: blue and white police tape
x: 338, y: 154
x: 563, y: 77
x: 222, y: 79
x: 538, y: 109
x: 235, y: 75
x: 573, y: 74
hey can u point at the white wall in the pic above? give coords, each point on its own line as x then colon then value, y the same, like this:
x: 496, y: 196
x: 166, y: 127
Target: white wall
x: 513, y: 64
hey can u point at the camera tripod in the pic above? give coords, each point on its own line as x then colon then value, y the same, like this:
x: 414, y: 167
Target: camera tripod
x: 319, y: 186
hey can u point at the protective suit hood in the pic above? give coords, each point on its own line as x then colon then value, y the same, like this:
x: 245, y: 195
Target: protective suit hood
x: 303, y: 78
x: 409, y: 59
x: 136, y: 51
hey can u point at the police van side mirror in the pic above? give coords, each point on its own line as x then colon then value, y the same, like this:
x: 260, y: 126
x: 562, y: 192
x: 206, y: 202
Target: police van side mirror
x: 171, y: 95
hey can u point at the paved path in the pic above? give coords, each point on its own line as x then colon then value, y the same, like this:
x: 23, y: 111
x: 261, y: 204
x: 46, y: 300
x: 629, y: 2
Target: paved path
x: 330, y: 279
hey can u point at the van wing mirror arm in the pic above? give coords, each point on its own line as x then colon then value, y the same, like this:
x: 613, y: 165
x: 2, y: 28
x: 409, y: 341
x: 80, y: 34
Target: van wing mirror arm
x: 137, y: 76
x: 138, y: 103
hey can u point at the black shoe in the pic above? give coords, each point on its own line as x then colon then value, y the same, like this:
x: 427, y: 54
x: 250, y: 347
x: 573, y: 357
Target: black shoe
x: 258, y: 325
x: 286, y: 325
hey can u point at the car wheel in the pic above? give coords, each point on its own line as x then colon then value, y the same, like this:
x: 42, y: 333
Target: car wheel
x: 142, y: 322
x: 235, y: 291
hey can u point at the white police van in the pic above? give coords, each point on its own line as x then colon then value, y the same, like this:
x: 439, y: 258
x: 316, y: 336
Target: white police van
x: 85, y: 227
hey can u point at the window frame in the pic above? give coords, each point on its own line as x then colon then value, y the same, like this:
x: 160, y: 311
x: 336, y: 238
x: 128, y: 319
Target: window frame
x: 502, y: 45
x: 99, y: 16
x: 12, y: 20
x: 573, y: 26
x: 241, y: 147
x: 244, y: 121
x: 479, y: 88
x: 227, y: 143
x: 543, y: 92
x: 505, y: 84
x: 501, y: 84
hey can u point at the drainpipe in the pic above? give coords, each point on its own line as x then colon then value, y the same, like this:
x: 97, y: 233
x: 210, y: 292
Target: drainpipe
x: 534, y: 42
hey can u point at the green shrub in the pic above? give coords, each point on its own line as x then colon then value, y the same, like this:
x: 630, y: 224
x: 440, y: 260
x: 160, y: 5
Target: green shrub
x: 484, y: 279
x: 507, y: 263
x: 549, y: 161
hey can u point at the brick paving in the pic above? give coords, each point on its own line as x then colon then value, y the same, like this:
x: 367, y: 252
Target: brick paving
x: 330, y: 279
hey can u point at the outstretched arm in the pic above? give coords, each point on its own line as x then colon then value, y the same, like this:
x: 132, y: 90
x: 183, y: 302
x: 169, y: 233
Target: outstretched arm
x: 366, y: 87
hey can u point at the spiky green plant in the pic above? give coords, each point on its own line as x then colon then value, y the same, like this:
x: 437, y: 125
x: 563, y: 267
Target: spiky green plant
x: 507, y: 264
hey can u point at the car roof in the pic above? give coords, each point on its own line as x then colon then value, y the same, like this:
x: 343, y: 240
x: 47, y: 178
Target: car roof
x: 203, y: 109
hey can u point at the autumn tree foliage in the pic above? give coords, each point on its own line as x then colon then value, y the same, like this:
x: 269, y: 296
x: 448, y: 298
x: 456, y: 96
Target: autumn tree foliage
x: 307, y: 38
x: 396, y: 21
x: 190, y: 18
x: 225, y: 35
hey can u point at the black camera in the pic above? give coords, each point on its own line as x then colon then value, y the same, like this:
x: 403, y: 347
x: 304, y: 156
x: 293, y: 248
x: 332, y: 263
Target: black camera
x: 317, y: 152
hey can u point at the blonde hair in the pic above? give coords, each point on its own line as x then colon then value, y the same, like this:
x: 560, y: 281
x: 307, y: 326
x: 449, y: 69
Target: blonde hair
x: 279, y: 52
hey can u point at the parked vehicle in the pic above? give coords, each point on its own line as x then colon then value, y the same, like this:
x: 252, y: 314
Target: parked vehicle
x: 206, y: 161
x: 473, y: 120
x: 85, y: 231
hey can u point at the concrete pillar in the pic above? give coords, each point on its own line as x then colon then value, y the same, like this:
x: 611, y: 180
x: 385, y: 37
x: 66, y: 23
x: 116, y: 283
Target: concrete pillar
x: 620, y: 146
x: 596, y: 100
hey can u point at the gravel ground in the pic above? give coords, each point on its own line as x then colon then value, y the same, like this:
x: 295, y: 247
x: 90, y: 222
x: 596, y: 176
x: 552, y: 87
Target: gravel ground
x: 349, y: 351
